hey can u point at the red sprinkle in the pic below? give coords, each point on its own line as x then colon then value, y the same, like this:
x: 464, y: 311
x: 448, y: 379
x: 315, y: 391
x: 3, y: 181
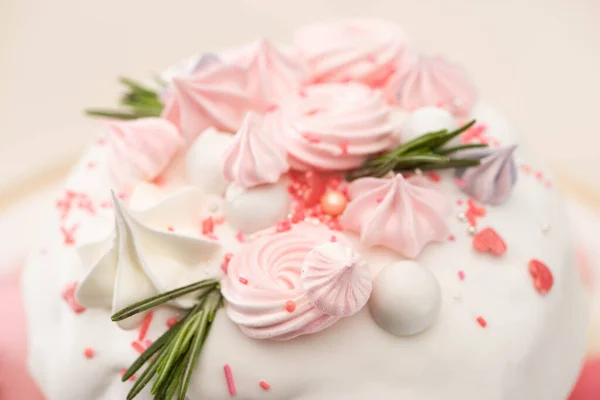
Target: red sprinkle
x: 89, y: 353
x: 243, y: 281
x: 434, y: 176
x: 452, y: 238
x: 172, y: 321
x: 344, y: 146
x: 212, y: 236
x: 481, y: 322
x: 461, y: 275
x: 488, y: 240
x: 229, y: 379
x: 91, y: 164
x: 208, y: 226
x: 68, y: 296
x: 298, y: 216
x: 145, y: 325
x: 271, y: 108
x: 264, y: 385
x: 290, y: 306
x: 541, y: 275
x: 68, y: 234
x: 240, y: 237
x: 333, y: 238
x: 460, y: 183
x: 170, y: 228
x: 539, y: 175
x: 311, y: 137
x: 225, y: 263
x: 283, y: 226
x: 137, y: 346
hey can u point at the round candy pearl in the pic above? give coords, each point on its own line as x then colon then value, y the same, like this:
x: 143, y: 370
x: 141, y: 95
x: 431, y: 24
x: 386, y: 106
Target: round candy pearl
x: 333, y: 203
x: 406, y: 298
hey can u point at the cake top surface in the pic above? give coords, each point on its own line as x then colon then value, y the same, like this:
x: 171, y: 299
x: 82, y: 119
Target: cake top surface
x: 367, y: 224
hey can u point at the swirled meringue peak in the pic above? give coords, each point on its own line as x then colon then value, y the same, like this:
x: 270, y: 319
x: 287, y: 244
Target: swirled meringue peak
x: 336, y: 279
x: 213, y: 95
x: 396, y: 213
x: 491, y: 181
x: 264, y: 290
x: 433, y: 81
x: 272, y: 74
x: 363, y: 50
x: 254, y: 158
x: 336, y: 126
x: 140, y: 150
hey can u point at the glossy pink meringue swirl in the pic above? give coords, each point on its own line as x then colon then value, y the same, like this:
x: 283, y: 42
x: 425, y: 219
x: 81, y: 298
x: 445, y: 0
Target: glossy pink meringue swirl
x: 336, y: 279
x: 263, y: 286
x: 213, y: 95
x: 335, y: 126
x: 363, y: 50
x: 272, y: 74
x: 254, y: 158
x: 140, y: 150
x: 433, y: 81
x: 396, y: 213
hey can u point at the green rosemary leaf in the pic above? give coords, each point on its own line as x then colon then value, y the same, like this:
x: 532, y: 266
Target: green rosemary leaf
x: 202, y: 328
x: 146, y: 376
x: 451, y: 150
x: 418, y: 142
x: 422, y: 158
x: 135, y: 86
x: 161, y: 299
x: 174, y: 352
x: 167, y: 390
x: 453, y: 163
x: 125, y: 115
x: 448, y: 137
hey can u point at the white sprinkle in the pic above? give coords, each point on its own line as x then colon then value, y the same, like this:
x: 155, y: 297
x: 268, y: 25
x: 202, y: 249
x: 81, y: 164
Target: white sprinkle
x: 462, y: 217
x: 545, y: 228
x: 471, y: 230
x: 418, y: 172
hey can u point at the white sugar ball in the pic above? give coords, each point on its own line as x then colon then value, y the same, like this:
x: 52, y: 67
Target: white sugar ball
x: 203, y: 161
x: 250, y: 210
x: 426, y: 120
x: 406, y: 298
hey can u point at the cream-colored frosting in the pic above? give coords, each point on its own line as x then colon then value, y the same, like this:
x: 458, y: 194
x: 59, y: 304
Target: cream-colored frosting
x: 531, y: 347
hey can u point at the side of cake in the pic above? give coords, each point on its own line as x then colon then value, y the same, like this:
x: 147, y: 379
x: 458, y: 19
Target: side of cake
x: 372, y: 228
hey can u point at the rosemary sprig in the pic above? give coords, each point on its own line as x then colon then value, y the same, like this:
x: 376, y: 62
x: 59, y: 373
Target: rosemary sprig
x: 173, y: 356
x: 425, y: 152
x: 138, y: 101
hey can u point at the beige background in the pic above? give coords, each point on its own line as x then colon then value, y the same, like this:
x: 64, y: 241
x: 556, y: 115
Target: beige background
x: 539, y: 60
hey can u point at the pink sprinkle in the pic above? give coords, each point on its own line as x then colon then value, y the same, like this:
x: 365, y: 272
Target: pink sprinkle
x: 137, y: 346
x: 122, y: 196
x: 240, y: 237
x: 344, y: 146
x: 548, y: 184
x: 290, y: 306
x: 68, y: 296
x: 91, y: 164
x: 243, y: 281
x: 208, y: 226
x: 212, y: 236
x: 539, y: 175
x: 459, y: 202
x: 452, y: 238
x: 459, y: 183
x: 481, y: 322
x: 170, y: 228
x: 333, y: 238
x: 68, y: 234
x: 172, y: 321
x: 302, y: 93
x: 434, y: 177
x: 89, y: 353
x: 379, y: 199
x: 225, y: 263
x: 123, y: 373
x: 283, y: 226
x: 526, y: 169
x: 461, y: 275
x: 371, y: 58
x: 264, y: 385
x: 101, y: 142
x: 271, y: 108
x: 311, y: 137
x: 229, y: 379
x: 145, y: 325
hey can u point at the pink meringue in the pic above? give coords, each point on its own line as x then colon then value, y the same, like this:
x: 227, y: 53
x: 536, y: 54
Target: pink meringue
x: 253, y: 158
x: 396, y: 213
x: 433, y: 81
x: 336, y: 279
x: 363, y: 50
x: 214, y: 95
x: 272, y: 74
x: 140, y: 150
x: 335, y: 126
x: 263, y: 286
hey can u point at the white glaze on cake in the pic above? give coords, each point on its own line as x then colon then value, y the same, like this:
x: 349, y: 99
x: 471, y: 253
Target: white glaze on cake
x: 531, y: 347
